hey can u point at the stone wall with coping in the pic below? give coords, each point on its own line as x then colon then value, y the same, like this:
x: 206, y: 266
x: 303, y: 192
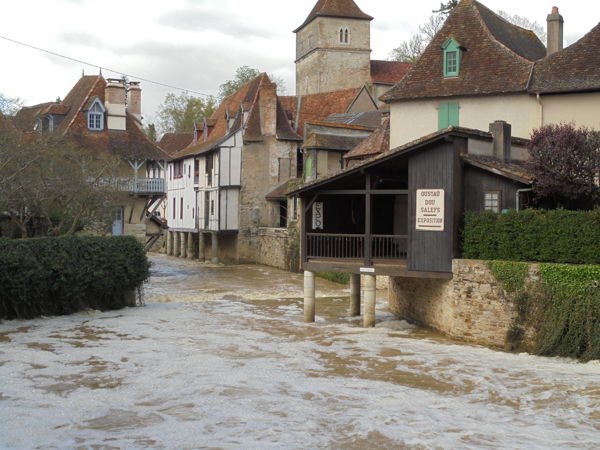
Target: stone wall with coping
x: 472, y: 307
x: 276, y: 248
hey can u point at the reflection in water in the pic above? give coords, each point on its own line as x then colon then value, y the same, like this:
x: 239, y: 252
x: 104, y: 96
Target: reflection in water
x: 220, y: 357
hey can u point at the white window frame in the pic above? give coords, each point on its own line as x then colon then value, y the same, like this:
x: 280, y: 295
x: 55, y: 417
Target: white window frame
x: 95, y: 116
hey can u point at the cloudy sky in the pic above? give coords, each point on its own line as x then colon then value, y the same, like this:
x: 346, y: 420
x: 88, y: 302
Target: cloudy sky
x: 198, y: 44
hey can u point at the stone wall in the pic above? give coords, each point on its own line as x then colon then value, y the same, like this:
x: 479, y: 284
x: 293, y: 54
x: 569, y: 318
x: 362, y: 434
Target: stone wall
x: 472, y: 306
x: 278, y: 248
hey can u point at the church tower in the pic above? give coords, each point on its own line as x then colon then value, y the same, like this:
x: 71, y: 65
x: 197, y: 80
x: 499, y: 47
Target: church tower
x: 333, y: 48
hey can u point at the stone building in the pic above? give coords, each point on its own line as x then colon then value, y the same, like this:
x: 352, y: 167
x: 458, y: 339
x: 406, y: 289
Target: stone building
x: 104, y: 116
x: 333, y: 51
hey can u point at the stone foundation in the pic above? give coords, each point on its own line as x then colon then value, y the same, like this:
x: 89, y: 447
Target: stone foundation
x: 472, y: 306
x: 276, y: 248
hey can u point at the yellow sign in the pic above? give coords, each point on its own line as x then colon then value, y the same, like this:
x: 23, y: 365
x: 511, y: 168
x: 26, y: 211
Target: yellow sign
x: 430, y: 210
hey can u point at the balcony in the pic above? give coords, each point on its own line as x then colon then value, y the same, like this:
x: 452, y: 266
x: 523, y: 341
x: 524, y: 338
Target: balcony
x: 142, y: 185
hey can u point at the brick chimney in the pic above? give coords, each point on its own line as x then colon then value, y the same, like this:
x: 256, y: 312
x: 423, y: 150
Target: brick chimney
x: 114, y: 102
x: 267, y: 101
x: 134, y: 100
x: 501, y: 134
x: 555, y: 31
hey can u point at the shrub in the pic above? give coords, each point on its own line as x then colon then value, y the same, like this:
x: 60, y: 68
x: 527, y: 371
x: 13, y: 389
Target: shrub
x: 559, y: 236
x: 57, y: 276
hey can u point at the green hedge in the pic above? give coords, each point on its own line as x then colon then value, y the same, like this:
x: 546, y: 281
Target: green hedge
x: 557, y: 236
x: 57, y: 276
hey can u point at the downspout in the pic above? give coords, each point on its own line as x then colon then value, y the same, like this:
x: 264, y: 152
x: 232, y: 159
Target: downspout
x: 518, y: 195
x: 539, y: 100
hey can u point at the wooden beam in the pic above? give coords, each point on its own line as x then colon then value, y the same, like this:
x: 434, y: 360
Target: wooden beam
x: 368, y: 221
x: 310, y: 203
x: 363, y: 192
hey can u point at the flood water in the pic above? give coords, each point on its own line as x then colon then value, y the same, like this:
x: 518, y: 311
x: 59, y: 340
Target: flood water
x: 220, y: 358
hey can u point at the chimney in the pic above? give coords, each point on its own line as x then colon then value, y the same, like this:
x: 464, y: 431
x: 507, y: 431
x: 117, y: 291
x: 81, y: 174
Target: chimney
x: 501, y: 134
x: 555, y: 31
x: 134, y: 100
x: 267, y: 101
x: 198, y: 131
x: 209, y: 125
x: 114, y: 101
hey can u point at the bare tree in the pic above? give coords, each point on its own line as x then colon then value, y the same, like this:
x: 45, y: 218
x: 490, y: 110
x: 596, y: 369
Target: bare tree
x: 526, y: 23
x: 411, y: 50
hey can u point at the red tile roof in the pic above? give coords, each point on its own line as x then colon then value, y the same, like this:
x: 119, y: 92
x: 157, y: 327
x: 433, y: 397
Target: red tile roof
x: 346, y: 9
x: 246, y: 99
x: 497, y: 57
x: 130, y: 144
x: 389, y: 71
x: 174, y: 142
x: 316, y: 107
x: 576, y: 68
x: 377, y: 143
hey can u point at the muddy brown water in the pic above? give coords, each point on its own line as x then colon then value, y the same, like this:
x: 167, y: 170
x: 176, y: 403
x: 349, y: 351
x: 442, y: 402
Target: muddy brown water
x: 220, y: 358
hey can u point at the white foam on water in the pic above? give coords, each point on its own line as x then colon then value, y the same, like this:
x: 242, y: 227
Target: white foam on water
x: 240, y: 373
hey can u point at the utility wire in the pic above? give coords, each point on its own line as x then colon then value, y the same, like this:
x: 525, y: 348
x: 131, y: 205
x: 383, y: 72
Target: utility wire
x: 104, y: 68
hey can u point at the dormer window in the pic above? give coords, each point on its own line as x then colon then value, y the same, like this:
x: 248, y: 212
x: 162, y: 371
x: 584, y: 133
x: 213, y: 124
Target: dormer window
x: 452, y: 54
x: 344, y: 35
x: 95, y: 116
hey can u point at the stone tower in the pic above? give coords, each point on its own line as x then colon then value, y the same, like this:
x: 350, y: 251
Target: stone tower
x: 333, y: 48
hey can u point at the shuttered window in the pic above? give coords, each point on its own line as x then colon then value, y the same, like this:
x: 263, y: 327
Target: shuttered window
x: 448, y: 115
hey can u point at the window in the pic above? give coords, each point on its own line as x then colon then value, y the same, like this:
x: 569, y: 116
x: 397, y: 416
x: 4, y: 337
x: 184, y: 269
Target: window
x: 95, y: 116
x: 344, y: 34
x: 174, y: 206
x: 283, y: 214
x: 491, y: 201
x: 448, y: 115
x: 452, y: 54
x: 181, y: 209
x: 178, y: 169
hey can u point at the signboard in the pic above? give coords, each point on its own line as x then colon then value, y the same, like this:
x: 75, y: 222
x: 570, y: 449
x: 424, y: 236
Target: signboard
x: 430, y: 210
x: 367, y: 270
x: 317, y: 216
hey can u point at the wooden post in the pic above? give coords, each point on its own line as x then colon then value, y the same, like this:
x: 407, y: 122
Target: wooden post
x: 309, y: 296
x: 215, y: 248
x: 190, y: 245
x: 368, y: 222
x: 370, y: 301
x: 201, y: 245
x: 355, y: 295
x: 183, y: 250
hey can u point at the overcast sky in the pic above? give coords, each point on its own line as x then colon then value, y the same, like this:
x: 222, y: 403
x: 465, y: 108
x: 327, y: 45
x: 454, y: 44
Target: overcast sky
x: 198, y: 44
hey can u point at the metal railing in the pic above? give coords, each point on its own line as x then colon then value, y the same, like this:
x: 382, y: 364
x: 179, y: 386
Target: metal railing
x: 355, y: 246
x: 142, y: 185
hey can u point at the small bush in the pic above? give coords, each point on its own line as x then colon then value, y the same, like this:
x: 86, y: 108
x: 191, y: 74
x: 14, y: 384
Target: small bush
x: 336, y: 277
x: 57, y: 276
x: 559, y: 236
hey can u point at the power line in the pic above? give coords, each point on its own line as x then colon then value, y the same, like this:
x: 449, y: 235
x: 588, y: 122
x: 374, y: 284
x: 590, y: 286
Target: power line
x: 105, y: 68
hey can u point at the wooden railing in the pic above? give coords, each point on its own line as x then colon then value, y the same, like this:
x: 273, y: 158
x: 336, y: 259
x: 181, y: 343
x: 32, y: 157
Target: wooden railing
x: 356, y: 246
x: 142, y: 185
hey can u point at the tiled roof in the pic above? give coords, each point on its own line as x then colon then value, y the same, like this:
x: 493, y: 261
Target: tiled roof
x: 279, y: 192
x: 335, y: 8
x: 514, y: 170
x: 377, y: 143
x: 389, y: 71
x: 131, y: 144
x: 576, y: 68
x: 174, y: 142
x: 369, y: 119
x: 332, y: 141
x: 406, y: 148
x: 497, y: 57
x: 318, y: 106
x: 245, y: 98
x: 25, y: 119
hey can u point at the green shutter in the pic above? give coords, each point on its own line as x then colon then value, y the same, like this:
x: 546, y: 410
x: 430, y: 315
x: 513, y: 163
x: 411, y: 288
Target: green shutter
x: 448, y: 115
x: 308, y: 170
x: 443, y: 116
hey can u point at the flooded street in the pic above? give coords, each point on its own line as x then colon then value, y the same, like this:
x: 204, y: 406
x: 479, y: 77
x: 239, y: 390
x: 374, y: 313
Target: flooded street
x: 220, y: 358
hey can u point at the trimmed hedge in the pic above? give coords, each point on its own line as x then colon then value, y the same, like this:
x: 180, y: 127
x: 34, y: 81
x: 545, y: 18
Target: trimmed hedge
x: 558, y: 236
x: 58, y: 276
